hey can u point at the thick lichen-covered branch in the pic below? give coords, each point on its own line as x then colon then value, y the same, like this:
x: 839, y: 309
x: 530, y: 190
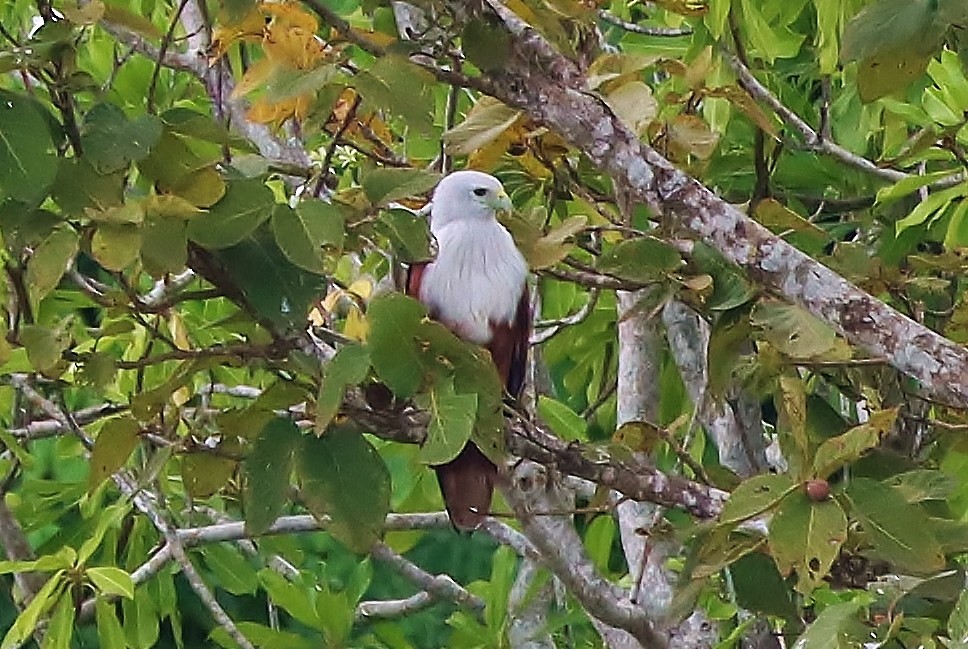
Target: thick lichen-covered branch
x: 553, y: 91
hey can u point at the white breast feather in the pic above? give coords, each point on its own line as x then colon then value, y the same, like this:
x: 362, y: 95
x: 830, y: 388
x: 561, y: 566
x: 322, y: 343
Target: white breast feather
x: 476, y: 280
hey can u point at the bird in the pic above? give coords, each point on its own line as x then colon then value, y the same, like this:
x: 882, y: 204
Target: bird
x: 476, y: 286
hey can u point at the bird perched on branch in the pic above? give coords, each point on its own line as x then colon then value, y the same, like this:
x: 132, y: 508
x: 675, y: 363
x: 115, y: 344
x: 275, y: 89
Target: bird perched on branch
x: 477, y: 287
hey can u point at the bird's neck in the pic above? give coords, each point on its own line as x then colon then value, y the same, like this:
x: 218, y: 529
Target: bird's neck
x: 477, y: 279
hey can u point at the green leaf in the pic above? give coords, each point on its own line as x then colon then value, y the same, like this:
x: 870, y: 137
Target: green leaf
x: 486, y: 45
x: 937, y: 202
x: 60, y: 628
x: 80, y: 187
x: 263, y: 636
x: 305, y: 233
x: 296, y: 240
x: 843, y: 449
x: 924, y: 484
x: 140, y: 615
x: 111, y: 581
x: 792, y: 330
x: 66, y: 557
x: 755, y: 496
x: 175, y: 157
x: 332, y: 469
x: 397, y: 85
x: 900, y: 532
x: 292, y: 598
x: 49, y: 262
x: 643, y: 259
x: 760, y: 587
x: 204, y: 473
x: 394, y: 325
x: 44, y: 346
x: 730, y: 287
x: 350, y: 366
x: 549, y: 249
x: 26, y: 622
x: 384, y: 185
x: 408, y: 234
x: 830, y: 629
x: 28, y: 163
x: 267, y: 470
x: 202, y: 188
x: 112, y: 142
x: 246, y: 205
x: 452, y: 419
x: 164, y: 245
x: 116, y: 247
x: 486, y: 122
x: 563, y: 421
x: 598, y: 539
x: 806, y: 536
x: 108, y: 518
x: 110, y: 635
x: 279, y: 292
x: 232, y: 571
x: 113, y: 446
x: 886, y: 25
x: 958, y: 620
x: 908, y: 185
x: 336, y: 615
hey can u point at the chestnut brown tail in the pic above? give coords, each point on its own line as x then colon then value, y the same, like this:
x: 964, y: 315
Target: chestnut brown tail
x: 467, y: 483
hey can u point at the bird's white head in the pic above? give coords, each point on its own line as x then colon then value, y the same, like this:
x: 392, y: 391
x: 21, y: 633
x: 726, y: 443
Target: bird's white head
x: 465, y: 196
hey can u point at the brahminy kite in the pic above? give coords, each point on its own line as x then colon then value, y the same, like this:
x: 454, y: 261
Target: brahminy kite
x: 477, y: 287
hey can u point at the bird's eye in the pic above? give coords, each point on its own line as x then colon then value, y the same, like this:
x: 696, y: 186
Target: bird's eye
x: 480, y: 191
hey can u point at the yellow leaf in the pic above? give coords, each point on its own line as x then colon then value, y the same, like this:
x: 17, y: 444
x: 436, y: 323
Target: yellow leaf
x: 290, y: 15
x: 250, y: 28
x: 634, y: 104
x: 85, y: 14
x: 316, y: 317
x: 362, y: 288
x: 254, y: 77
x: 689, y: 134
x: 178, y: 331
x: 356, y: 326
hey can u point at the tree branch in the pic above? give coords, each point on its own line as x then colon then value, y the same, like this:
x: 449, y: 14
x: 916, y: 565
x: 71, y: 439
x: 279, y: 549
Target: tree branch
x: 541, y: 81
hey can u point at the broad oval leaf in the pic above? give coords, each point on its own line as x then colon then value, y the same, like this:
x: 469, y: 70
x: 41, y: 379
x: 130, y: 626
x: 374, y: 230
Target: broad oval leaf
x: 267, y: 470
x: 114, y: 443
x: 342, y: 477
x: 792, y: 330
x: 643, y: 259
x: 755, y: 496
x: 349, y: 367
x: 394, y: 325
x: 900, y: 532
x: 28, y: 163
x: 246, y: 204
x: 303, y: 233
x: 830, y: 629
x: 452, y: 418
x: 49, y: 262
x: 806, y: 536
x: 111, y: 581
x: 385, y: 184
x: 837, y: 451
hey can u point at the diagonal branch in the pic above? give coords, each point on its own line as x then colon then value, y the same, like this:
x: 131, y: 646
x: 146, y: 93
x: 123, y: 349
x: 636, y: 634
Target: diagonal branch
x: 539, y: 80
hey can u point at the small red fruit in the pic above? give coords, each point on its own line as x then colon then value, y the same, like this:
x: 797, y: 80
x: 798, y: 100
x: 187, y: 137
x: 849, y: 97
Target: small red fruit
x: 818, y: 490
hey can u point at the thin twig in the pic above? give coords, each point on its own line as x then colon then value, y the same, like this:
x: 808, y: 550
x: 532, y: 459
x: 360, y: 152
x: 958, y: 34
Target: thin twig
x: 612, y: 19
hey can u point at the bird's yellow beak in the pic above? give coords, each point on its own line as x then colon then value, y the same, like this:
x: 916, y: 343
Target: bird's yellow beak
x: 501, y: 203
